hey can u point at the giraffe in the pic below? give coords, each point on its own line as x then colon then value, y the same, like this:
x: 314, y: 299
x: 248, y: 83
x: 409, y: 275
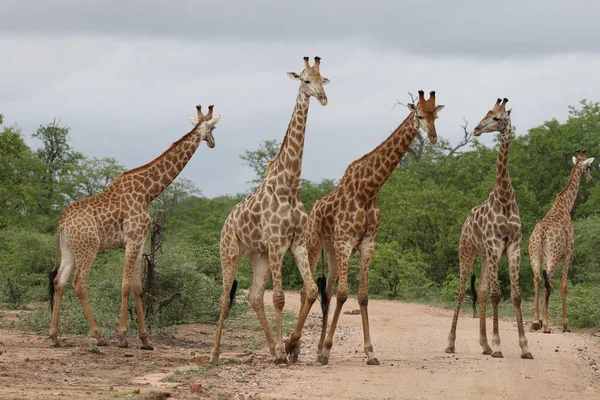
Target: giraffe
x: 347, y: 219
x: 493, y: 228
x: 270, y: 221
x: 553, y: 240
x: 119, y: 218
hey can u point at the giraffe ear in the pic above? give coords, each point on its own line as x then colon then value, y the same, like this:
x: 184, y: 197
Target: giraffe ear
x: 193, y: 120
x: 508, y: 112
x: 588, y: 162
x: 293, y: 76
x: 574, y: 160
x: 325, y: 81
x: 215, y: 120
x: 411, y: 107
x: 439, y: 108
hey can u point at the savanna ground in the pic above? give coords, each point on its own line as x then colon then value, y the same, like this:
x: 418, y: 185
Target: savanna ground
x: 409, y: 340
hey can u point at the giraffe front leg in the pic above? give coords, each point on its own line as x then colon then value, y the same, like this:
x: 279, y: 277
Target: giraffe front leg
x: 276, y: 253
x: 366, y: 254
x: 292, y: 346
x: 513, y: 253
x: 482, y: 299
x: 132, y: 251
x: 492, y: 260
x: 332, y: 275
x: 260, y: 269
x: 342, y: 254
x: 563, y: 293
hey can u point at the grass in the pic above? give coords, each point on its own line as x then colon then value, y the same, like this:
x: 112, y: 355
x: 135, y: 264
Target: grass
x: 185, y: 375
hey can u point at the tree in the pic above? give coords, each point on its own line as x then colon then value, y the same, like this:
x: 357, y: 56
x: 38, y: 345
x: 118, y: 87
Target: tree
x: 59, y: 162
x: 91, y: 176
x: 259, y: 158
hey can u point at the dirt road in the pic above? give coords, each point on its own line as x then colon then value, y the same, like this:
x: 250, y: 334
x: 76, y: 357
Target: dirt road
x: 409, y: 341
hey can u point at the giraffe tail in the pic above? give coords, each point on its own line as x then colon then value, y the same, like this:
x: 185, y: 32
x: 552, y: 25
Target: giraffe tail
x: 322, y: 286
x: 232, y: 293
x: 474, y: 293
x: 54, y: 272
x: 547, y: 286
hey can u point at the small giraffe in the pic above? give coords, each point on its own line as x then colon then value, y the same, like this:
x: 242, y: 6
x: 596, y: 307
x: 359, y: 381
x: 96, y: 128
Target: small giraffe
x: 119, y: 218
x: 347, y: 219
x: 491, y: 229
x: 270, y: 221
x: 553, y: 240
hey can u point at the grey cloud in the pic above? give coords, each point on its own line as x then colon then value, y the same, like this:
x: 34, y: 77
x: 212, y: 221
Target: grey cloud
x: 459, y: 28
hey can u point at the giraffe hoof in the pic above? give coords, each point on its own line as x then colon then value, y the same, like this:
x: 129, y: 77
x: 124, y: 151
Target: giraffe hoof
x: 527, y: 356
x: 102, y: 342
x: 123, y: 344
x: 146, y: 347
x: 497, y: 354
x: 324, y: 360
x: 450, y: 350
x: 547, y: 330
x: 373, y: 361
x: 536, y: 326
x: 566, y: 329
x: 487, y: 352
x: 55, y: 344
x: 281, y: 360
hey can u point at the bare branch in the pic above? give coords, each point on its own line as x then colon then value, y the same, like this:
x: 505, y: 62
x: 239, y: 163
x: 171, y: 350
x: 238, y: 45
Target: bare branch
x: 398, y: 102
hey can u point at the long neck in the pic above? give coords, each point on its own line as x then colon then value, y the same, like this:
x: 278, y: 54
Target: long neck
x: 374, y: 168
x: 503, y: 183
x: 566, y: 199
x: 288, y: 162
x: 152, y: 179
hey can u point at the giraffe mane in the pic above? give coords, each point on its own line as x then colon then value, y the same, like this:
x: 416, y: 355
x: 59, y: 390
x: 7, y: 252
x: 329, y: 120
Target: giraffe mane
x: 379, y: 146
x: 150, y: 163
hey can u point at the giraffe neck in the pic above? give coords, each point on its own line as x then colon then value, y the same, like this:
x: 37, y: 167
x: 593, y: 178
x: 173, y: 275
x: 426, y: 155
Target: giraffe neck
x: 150, y: 180
x: 504, y: 187
x: 565, y: 200
x: 374, y: 168
x: 288, y: 162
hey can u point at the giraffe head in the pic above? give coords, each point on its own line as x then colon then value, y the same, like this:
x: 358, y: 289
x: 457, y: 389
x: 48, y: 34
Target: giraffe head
x: 206, y: 124
x: 496, y: 120
x: 311, y: 81
x: 584, y: 163
x: 426, y: 112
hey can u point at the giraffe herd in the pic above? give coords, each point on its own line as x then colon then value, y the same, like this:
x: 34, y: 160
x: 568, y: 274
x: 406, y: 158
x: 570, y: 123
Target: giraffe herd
x: 272, y: 220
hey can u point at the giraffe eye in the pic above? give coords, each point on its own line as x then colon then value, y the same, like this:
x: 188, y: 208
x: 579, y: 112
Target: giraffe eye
x: 306, y: 81
x: 496, y: 118
x: 420, y: 117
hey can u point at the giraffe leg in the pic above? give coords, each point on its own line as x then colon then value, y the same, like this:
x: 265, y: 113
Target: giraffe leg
x: 467, y: 254
x: 366, y: 254
x: 535, y: 256
x: 80, y: 287
x: 292, y: 346
x: 332, y: 275
x: 495, y: 297
x: 132, y: 252
x: 342, y: 255
x: 482, y: 289
x: 552, y: 262
x: 563, y: 293
x: 137, y: 292
x: 513, y: 253
x: 260, y: 278
x: 67, y: 263
x: 276, y: 253
x: 230, y: 258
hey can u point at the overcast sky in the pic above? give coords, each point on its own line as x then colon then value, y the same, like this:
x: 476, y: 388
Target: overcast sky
x: 125, y: 75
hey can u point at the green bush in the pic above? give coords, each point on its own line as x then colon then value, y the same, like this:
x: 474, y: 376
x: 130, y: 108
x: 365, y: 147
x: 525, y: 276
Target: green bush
x: 583, y: 305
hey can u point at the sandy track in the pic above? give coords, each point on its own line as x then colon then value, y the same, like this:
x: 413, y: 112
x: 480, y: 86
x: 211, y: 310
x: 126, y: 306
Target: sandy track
x: 409, y: 340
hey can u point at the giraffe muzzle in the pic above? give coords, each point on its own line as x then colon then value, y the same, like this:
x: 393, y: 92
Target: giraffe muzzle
x: 322, y: 99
